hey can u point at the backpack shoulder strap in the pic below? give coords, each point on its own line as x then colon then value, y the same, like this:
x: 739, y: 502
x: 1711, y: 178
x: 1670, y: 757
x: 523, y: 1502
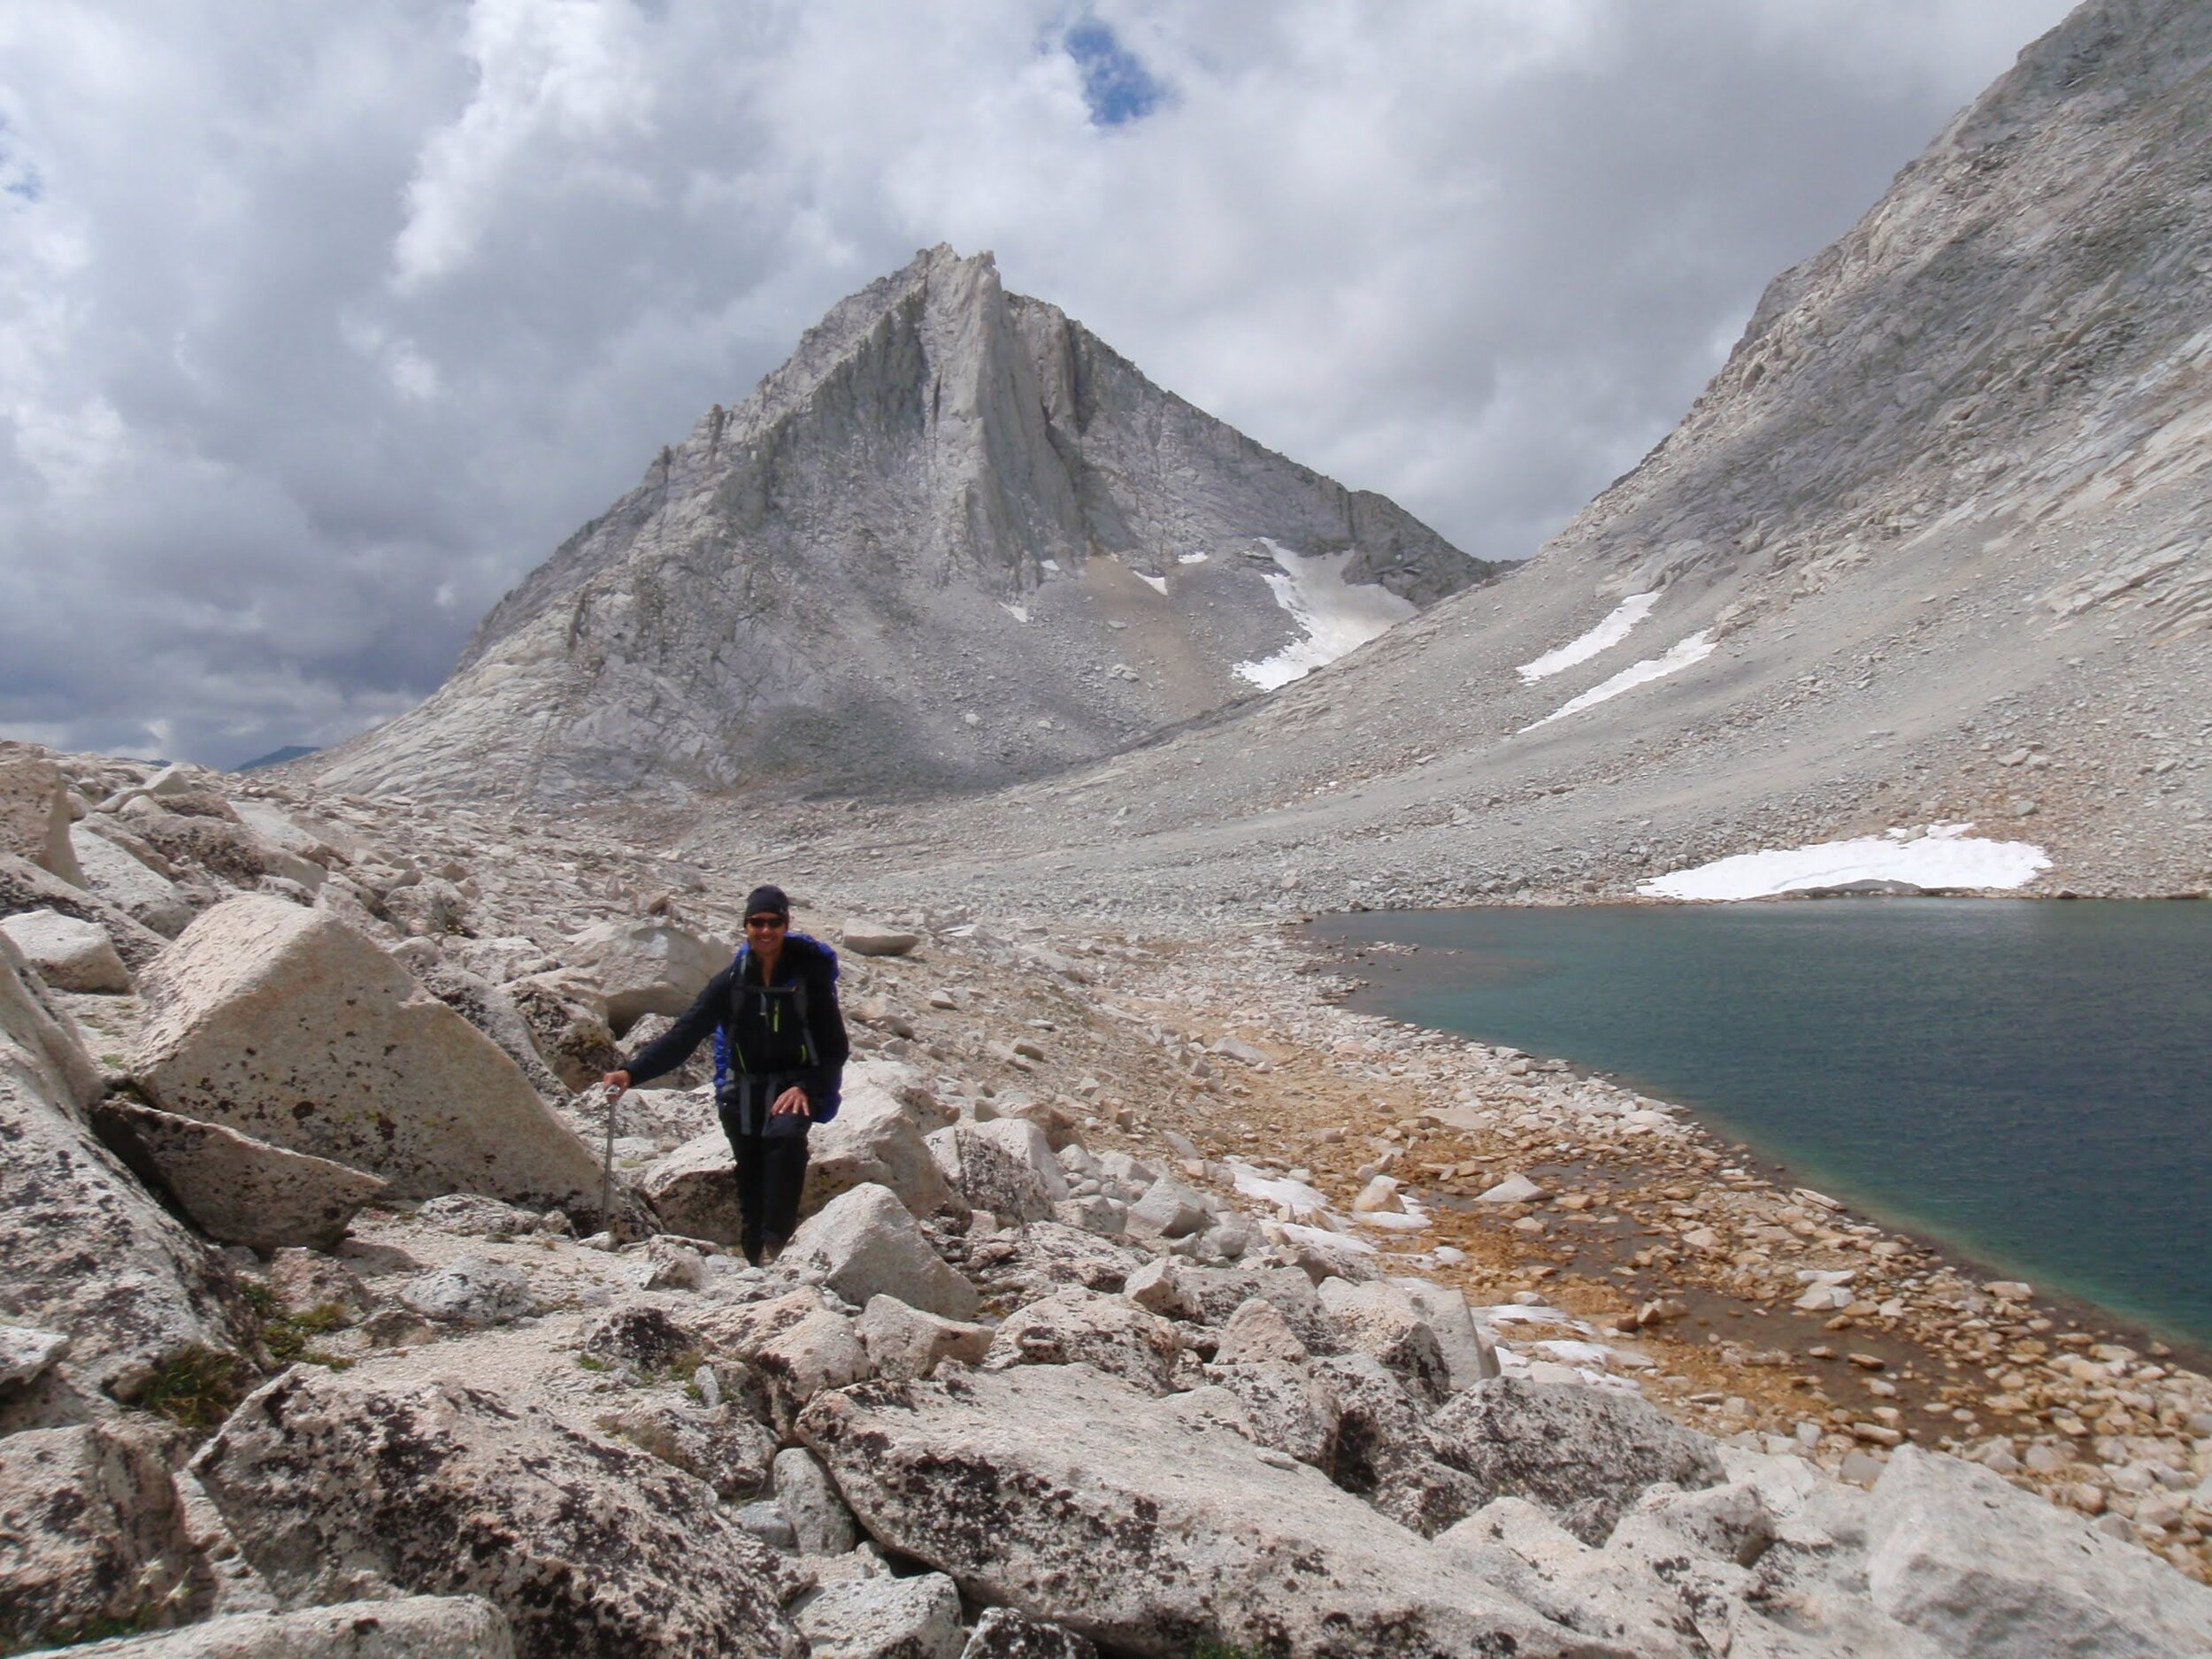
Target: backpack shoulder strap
x: 722, y: 1046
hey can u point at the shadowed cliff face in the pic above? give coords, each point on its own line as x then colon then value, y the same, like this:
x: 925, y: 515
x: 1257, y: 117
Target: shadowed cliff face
x: 954, y: 539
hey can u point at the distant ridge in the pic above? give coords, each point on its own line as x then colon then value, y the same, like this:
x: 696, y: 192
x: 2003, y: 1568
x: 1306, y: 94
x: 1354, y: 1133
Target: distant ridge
x: 278, y: 756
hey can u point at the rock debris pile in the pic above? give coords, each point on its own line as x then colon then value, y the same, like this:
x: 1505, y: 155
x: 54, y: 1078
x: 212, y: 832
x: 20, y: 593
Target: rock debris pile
x: 1068, y: 1357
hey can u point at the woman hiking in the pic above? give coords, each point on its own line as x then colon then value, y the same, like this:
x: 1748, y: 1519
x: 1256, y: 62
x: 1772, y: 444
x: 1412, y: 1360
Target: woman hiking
x: 779, y: 1059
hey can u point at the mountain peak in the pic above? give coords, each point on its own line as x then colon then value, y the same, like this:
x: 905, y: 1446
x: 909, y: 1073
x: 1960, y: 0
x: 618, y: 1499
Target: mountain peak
x: 954, y: 540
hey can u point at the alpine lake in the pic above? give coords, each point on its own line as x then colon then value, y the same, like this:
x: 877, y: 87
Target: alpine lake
x: 2027, y: 1083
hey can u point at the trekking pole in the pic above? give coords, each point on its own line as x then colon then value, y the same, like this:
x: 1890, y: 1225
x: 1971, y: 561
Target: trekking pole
x: 606, y: 1166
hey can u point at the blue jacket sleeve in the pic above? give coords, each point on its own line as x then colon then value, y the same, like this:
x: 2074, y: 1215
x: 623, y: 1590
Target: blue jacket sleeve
x: 673, y: 1046
x: 825, y: 1023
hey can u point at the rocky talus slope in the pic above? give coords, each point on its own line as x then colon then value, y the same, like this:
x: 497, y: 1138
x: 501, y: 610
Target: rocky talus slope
x: 1935, y: 546
x: 1146, y: 1300
x: 954, y: 539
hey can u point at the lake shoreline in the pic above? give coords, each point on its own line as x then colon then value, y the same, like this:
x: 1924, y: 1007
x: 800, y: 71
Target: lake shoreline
x: 2021, y: 1088
x: 2111, y: 1324
x: 2038, y: 1387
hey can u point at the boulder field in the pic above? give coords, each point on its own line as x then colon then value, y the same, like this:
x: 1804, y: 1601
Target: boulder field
x: 313, y: 1339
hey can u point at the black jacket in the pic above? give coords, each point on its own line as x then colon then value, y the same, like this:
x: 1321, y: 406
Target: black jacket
x: 766, y: 1031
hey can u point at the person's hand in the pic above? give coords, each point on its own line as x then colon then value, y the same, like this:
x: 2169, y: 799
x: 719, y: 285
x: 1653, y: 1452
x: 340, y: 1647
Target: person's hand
x: 791, y: 1101
x: 618, y: 1081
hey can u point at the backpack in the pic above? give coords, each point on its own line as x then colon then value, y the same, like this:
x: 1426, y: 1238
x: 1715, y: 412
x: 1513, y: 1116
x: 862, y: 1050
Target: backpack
x: 825, y: 1108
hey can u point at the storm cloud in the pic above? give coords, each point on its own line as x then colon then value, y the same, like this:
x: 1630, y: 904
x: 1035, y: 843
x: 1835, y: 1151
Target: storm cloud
x: 319, y: 327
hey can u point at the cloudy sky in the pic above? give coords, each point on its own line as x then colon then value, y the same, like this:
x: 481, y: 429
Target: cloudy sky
x: 321, y: 324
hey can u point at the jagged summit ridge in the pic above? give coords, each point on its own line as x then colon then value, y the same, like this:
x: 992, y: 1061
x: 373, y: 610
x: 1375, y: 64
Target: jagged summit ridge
x: 954, y: 538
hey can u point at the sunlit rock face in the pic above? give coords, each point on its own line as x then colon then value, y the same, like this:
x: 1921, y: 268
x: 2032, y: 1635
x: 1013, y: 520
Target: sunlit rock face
x: 956, y: 539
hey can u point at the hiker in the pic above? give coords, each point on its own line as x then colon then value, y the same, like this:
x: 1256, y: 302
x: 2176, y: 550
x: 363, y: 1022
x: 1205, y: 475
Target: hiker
x: 780, y: 1050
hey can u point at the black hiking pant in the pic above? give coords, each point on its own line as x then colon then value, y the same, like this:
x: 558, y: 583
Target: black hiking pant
x: 770, y: 1158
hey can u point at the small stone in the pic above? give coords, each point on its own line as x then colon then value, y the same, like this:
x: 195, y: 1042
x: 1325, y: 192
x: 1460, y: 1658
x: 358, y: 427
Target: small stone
x: 1861, y: 1468
x: 819, y: 1520
x: 1257, y: 1333
x: 1156, y: 1287
x: 884, y: 1619
x: 25, y: 1353
x: 1380, y: 1194
x: 1515, y: 1189
x: 1002, y: 1633
x: 766, y: 1521
x: 865, y: 938
x: 472, y: 1290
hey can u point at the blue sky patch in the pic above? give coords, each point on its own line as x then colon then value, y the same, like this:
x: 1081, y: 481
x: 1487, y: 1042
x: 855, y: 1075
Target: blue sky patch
x: 1116, y: 87
x: 18, y: 177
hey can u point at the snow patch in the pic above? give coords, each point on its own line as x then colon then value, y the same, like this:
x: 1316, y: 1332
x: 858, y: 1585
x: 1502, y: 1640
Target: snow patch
x: 1607, y: 633
x: 1941, y: 855
x: 1020, y: 613
x: 1695, y: 649
x: 1323, y: 1241
x: 1157, y: 584
x: 1192, y: 558
x: 1339, y: 616
x: 1280, y: 1191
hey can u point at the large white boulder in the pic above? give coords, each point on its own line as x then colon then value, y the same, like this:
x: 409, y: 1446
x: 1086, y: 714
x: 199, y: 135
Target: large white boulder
x: 287, y: 1024
x: 70, y: 954
x: 1169, y: 1209
x: 149, y: 1291
x: 648, y: 966
x: 115, y: 873
x: 410, y: 1627
x: 1469, y: 1355
x: 866, y: 1244
x: 876, y: 1137
x: 1989, y: 1571
x: 1382, y: 1319
x: 1066, y: 1493
x: 1075, y: 1327
x: 905, y: 1342
x: 591, y: 1548
x: 236, y: 1190
x: 694, y: 1190
x: 34, y: 812
x: 25, y: 886
x: 1583, y: 1453
x: 1005, y: 1166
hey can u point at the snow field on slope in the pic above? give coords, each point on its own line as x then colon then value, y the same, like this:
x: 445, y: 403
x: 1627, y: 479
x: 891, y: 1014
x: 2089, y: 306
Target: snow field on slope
x: 1339, y: 616
x: 1606, y: 634
x: 1695, y: 649
x: 1942, y: 856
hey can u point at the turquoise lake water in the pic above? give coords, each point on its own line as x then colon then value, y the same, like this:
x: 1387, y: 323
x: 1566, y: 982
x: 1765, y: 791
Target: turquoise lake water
x: 2029, y: 1084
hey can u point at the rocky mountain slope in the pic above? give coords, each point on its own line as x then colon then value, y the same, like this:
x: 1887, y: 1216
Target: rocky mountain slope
x: 1127, y: 1316
x: 954, y: 539
x: 1934, y: 546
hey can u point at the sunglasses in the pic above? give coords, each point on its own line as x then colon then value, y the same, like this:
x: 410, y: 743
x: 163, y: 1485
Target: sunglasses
x: 768, y: 921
